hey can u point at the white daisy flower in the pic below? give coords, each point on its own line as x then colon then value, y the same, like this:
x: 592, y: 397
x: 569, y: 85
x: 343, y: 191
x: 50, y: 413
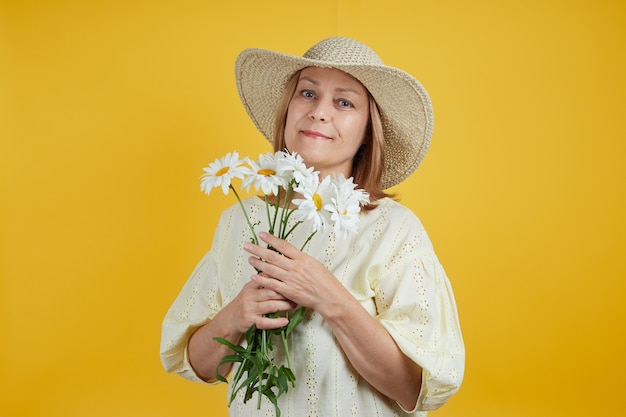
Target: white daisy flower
x: 292, y: 165
x: 220, y: 172
x: 344, y: 218
x: 264, y: 175
x: 345, y: 206
x: 346, y: 189
x: 316, y: 196
x: 307, y: 185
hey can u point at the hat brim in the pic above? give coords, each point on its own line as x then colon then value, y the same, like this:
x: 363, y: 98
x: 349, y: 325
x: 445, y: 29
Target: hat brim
x: 404, y: 105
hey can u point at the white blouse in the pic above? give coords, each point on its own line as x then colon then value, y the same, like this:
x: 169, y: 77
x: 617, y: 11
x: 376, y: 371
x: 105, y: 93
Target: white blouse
x: 389, y: 266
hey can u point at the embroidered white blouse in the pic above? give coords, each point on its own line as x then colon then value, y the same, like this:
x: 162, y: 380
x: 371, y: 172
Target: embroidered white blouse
x: 389, y: 266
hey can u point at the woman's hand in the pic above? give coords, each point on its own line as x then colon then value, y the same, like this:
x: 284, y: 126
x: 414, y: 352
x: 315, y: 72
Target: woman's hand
x: 249, y: 307
x: 252, y: 304
x: 306, y: 281
x: 294, y: 274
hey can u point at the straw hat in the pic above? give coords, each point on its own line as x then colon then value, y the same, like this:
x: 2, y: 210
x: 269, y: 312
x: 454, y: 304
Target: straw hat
x: 404, y: 105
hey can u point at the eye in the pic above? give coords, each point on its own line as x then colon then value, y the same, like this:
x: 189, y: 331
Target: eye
x: 307, y: 94
x: 345, y: 103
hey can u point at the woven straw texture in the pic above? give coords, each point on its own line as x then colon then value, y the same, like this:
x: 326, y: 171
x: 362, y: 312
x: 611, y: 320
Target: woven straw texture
x: 405, y: 107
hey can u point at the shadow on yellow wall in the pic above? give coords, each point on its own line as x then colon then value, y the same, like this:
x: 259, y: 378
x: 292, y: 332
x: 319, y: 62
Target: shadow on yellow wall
x: 109, y: 110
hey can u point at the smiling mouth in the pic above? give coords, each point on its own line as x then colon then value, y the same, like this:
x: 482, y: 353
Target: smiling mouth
x: 314, y: 135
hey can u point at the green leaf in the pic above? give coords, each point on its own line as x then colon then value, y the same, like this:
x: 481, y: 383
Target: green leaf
x: 252, y: 377
x: 230, y: 359
x: 249, y: 393
x: 289, y: 375
x: 270, y: 396
x: 282, y: 383
x: 250, y: 333
x: 257, y: 372
x: 297, y: 317
x: 225, y: 342
x: 220, y: 377
x: 248, y: 383
x: 274, y: 400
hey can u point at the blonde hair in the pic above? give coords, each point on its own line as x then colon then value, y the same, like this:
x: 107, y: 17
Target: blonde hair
x: 368, y: 162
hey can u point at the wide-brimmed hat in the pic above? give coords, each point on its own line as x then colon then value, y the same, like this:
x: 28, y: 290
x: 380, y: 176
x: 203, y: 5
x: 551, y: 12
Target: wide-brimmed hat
x: 404, y: 105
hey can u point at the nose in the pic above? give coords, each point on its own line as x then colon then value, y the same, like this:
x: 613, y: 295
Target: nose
x: 320, y: 111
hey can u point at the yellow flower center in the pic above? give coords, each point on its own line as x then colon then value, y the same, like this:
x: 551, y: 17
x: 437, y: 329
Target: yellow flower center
x: 267, y: 172
x: 317, y: 200
x: 221, y: 172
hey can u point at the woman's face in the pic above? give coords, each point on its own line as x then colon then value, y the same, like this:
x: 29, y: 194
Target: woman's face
x: 327, y: 119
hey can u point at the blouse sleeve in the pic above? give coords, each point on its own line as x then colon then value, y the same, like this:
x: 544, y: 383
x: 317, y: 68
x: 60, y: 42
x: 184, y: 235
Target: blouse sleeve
x: 416, y: 305
x: 196, y: 304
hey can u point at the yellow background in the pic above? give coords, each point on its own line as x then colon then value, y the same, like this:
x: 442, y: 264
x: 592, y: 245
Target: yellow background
x: 110, y: 109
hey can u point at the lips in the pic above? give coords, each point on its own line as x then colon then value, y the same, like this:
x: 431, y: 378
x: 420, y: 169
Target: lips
x: 313, y: 134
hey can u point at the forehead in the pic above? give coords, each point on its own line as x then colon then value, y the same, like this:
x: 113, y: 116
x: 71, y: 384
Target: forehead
x: 341, y: 79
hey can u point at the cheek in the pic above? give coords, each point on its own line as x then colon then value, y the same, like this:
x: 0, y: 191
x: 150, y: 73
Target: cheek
x: 355, y: 129
x: 294, y: 114
x: 291, y: 117
x: 289, y: 123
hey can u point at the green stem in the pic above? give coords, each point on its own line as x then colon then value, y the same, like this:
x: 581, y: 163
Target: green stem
x: 236, y: 379
x: 285, y: 211
x: 264, y: 357
x: 283, y: 336
x: 307, y: 241
x: 276, y: 207
x: 267, y: 210
x: 291, y: 230
x: 255, y: 240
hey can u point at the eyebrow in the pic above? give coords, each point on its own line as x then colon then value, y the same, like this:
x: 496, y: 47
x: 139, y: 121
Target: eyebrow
x: 341, y: 90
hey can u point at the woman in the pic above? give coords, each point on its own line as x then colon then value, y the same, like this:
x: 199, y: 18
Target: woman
x: 381, y: 334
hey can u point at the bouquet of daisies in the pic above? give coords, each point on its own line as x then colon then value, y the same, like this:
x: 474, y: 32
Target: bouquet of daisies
x: 332, y: 203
